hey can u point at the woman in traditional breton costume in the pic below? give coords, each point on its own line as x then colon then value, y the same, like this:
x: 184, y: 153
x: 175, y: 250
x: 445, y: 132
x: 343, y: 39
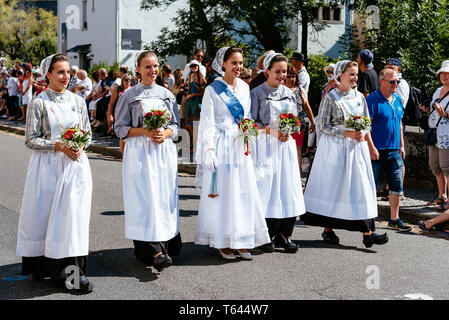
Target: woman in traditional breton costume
x: 230, y: 215
x: 150, y: 168
x: 341, y: 192
x: 54, y: 219
x: 276, y: 156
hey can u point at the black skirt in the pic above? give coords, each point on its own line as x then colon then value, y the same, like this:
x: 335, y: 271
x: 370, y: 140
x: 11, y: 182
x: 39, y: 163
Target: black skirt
x: 313, y: 219
x: 43, y: 267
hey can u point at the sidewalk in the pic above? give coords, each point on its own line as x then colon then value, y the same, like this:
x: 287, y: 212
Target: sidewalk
x: 413, y: 206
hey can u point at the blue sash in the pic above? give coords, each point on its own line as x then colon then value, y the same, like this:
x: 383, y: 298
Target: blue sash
x: 229, y: 99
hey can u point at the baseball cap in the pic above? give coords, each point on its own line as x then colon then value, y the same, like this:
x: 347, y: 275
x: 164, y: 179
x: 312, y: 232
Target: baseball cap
x: 367, y: 58
x: 298, y: 56
x: 394, y: 62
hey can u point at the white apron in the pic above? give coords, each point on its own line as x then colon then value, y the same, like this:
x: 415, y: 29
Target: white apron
x: 150, y: 186
x: 56, y: 205
x: 341, y: 183
x: 279, y: 177
x: 235, y: 218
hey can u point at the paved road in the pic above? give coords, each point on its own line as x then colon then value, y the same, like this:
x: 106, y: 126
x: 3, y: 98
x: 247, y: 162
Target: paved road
x: 411, y: 265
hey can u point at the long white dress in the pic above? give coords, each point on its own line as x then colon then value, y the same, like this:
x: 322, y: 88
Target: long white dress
x: 56, y: 205
x: 279, y: 178
x: 235, y: 218
x: 150, y: 170
x: 341, y: 183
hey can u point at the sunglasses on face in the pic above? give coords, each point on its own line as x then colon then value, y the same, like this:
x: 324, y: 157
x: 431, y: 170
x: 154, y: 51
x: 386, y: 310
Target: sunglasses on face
x: 193, y: 66
x: 291, y: 76
x: 198, y: 56
x: 127, y: 80
x: 245, y: 78
x: 330, y: 71
x: 395, y: 82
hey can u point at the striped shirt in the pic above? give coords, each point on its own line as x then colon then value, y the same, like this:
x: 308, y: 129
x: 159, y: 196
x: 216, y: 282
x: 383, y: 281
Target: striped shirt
x: 38, y: 129
x: 332, y: 115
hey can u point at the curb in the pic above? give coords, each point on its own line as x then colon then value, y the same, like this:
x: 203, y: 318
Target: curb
x: 409, y: 215
x: 187, y: 168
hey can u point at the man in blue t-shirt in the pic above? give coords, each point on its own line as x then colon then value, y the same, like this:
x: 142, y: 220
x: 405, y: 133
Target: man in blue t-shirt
x: 387, y: 142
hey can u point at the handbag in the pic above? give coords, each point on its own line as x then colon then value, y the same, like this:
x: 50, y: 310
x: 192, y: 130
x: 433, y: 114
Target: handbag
x: 429, y: 136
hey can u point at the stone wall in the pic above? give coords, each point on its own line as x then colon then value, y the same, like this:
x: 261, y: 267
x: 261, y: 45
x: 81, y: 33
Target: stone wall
x: 417, y: 171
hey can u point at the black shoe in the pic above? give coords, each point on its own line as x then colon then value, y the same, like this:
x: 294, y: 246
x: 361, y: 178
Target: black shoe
x: 286, y: 243
x: 330, y: 237
x: 85, y: 286
x: 267, y: 247
x: 374, y: 238
x: 162, y: 261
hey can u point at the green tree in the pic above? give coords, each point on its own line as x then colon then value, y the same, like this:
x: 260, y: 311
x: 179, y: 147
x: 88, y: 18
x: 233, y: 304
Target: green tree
x: 27, y: 34
x: 417, y: 32
x: 261, y: 25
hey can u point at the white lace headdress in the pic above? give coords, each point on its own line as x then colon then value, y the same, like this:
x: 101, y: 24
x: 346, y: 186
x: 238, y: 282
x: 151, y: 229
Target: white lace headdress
x: 217, y: 64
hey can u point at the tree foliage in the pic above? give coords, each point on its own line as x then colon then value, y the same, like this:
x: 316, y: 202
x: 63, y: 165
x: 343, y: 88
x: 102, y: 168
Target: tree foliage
x: 27, y: 34
x: 417, y: 32
x: 256, y: 25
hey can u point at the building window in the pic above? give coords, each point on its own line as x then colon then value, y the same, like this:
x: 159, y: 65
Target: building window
x: 84, y: 14
x: 326, y: 14
x: 336, y: 14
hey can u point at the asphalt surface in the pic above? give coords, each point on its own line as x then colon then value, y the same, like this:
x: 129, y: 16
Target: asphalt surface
x: 412, y: 265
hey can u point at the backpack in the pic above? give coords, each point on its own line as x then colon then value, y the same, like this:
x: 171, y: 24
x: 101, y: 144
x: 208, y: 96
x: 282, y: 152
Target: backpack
x: 412, y: 113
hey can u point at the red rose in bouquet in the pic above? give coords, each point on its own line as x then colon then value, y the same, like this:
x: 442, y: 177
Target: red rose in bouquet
x: 288, y: 123
x: 156, y: 119
x: 75, y: 138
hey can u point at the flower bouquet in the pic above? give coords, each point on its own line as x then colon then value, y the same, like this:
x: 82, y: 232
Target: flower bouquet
x: 156, y: 119
x: 248, y: 130
x: 287, y: 123
x: 75, y: 138
x: 358, y: 123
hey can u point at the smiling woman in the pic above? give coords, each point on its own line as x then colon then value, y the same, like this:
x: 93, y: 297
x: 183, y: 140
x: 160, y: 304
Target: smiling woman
x: 280, y: 182
x: 225, y: 174
x: 54, y: 220
x: 343, y: 159
x: 150, y: 164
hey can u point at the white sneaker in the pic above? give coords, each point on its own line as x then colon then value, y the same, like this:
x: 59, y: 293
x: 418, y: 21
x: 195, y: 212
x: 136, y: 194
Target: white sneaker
x: 227, y: 256
x: 245, y: 255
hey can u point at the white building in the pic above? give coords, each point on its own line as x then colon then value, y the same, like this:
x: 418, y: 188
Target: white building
x: 93, y: 31
x: 339, y: 21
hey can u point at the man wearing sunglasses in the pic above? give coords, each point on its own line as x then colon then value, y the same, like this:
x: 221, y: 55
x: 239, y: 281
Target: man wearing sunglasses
x: 386, y: 144
x: 198, y: 56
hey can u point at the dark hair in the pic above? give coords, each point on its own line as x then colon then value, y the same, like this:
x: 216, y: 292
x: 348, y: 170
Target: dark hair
x: 198, y: 50
x: 96, y: 76
x: 56, y: 58
x: 144, y: 55
x: 123, y: 69
x: 166, y: 68
x: 277, y: 58
x: 112, y: 75
x: 229, y: 52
